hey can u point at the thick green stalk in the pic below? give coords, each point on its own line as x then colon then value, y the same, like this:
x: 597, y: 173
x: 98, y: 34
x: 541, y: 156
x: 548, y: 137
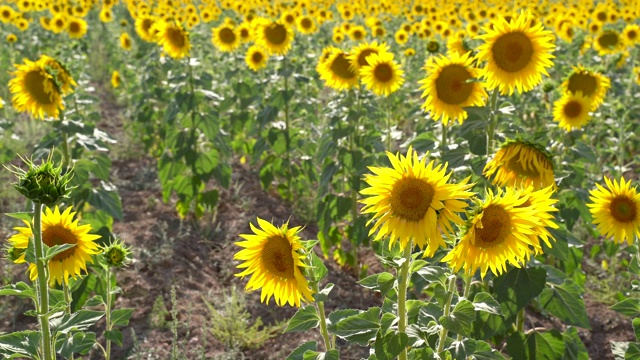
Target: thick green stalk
x: 520, y: 321
x: 493, y: 121
x: 107, y: 311
x: 43, y: 284
x: 447, y: 311
x: 443, y: 142
x: 68, y: 300
x: 403, y: 282
x: 287, y: 130
x: 328, y: 345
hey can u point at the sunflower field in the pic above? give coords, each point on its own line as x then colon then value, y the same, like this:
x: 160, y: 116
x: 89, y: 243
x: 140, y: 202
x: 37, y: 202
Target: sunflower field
x: 386, y: 179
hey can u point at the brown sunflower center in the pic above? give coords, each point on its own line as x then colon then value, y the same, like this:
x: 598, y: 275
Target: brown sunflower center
x: 59, y: 235
x: 411, y: 198
x: 277, y: 257
x: 176, y: 38
x: 74, y: 27
x: 59, y: 23
x: 257, y: 57
x: 383, y: 72
x: 276, y: 34
x: 512, y: 52
x: 623, y: 209
x: 362, y: 57
x: 584, y: 82
x: 601, y: 16
x: 572, y: 109
x: 6, y: 14
x: 632, y: 35
x: 146, y: 25
x: 227, y: 36
x: 516, y: 165
x: 357, y: 34
x: 452, y: 86
x: 306, y: 23
x: 289, y: 19
x: 608, y: 40
x: 496, y: 225
x: 244, y: 33
x: 34, y: 82
x: 341, y: 67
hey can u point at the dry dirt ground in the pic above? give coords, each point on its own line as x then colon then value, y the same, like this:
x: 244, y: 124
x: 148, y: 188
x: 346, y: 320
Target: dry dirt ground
x: 196, y: 258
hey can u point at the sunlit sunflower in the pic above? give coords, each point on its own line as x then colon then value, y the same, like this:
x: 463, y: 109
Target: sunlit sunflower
x: 631, y: 35
x: 256, y: 58
x: 572, y: 111
x: 11, y: 38
x: 63, y: 79
x: 359, y: 54
x: 517, y: 54
x: 337, y: 72
x: 224, y: 38
x: 1, y: 103
x: 306, y: 25
x: 401, y: 37
x: 58, y: 23
x: 275, y: 37
x: 143, y: 27
x: 413, y: 201
x: 520, y: 163
x: 544, y: 206
x: 106, y: 15
x: 115, y: 79
x: 616, y: 210
x: 58, y: 229
x: 7, y: 14
x: 382, y: 75
x: 499, y: 232
x: 450, y: 87
x: 608, y: 42
x: 357, y: 33
x: 273, y: 257
x: 34, y: 90
x: 77, y: 27
x: 174, y: 39
x: 591, y: 84
x: 636, y: 74
x: 244, y: 32
x: 457, y: 45
x: 125, y: 41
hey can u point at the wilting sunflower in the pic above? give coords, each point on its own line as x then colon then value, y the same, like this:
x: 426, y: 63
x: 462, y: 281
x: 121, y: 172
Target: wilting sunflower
x: 450, y: 87
x: 499, y: 232
x: 115, y: 79
x: 520, y: 163
x: 572, y: 111
x: 413, y: 201
x: 34, y: 90
x: 273, y: 257
x: 382, y: 76
x: 58, y: 229
x: 275, y: 37
x: 591, y: 84
x: 336, y: 71
x: 616, y: 210
x: 517, y: 54
x: 256, y: 58
x: 143, y: 27
x: 174, y: 39
x: 224, y: 38
x: 359, y: 54
x: 77, y: 27
x: 125, y: 41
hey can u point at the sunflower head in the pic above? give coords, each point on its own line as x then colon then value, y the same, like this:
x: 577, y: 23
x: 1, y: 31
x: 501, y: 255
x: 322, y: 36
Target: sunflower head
x: 591, y: 84
x: 572, y: 111
x: 616, y: 210
x: 117, y: 254
x: 382, y: 75
x: 44, y: 183
x: 521, y: 163
x: 274, y: 258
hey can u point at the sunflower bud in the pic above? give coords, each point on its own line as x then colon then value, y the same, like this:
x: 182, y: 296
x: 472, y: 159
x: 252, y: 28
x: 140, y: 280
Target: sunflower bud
x: 548, y: 86
x: 44, y: 183
x: 117, y: 254
x: 14, y: 253
x: 433, y: 46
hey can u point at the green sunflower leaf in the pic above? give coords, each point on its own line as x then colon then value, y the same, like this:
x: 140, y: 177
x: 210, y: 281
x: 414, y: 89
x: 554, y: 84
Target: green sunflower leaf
x: 298, y: 353
x: 305, y: 319
x: 565, y: 302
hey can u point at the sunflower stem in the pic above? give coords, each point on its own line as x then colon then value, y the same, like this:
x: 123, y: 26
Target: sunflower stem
x: 443, y: 142
x: 520, y: 320
x: 107, y: 311
x: 43, y: 283
x: 447, y: 311
x: 287, y: 130
x: 354, y: 180
x: 493, y: 121
x: 403, y: 280
x: 68, y: 300
x: 465, y: 294
x: 328, y: 345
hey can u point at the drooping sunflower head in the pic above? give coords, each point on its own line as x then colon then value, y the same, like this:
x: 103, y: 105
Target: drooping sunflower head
x: 382, y: 75
x: 336, y: 71
x: 498, y: 233
x: 34, y: 90
x: 225, y: 38
x: 517, y: 54
x: 412, y: 200
x: 616, y: 210
x: 59, y: 229
x: 450, y: 87
x: 521, y: 163
x: 591, y: 84
x: 256, y: 58
x: 572, y: 111
x: 273, y: 36
x: 174, y: 39
x: 274, y: 259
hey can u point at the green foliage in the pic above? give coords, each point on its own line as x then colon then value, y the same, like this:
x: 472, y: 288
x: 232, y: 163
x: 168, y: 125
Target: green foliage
x: 159, y: 317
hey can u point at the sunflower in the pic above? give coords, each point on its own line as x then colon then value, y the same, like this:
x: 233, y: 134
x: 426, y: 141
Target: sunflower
x: 631, y: 34
x: 275, y: 37
x: 6, y: 14
x: 517, y: 54
x: 449, y: 87
x: 542, y: 202
x: 21, y: 23
x: 1, y: 103
x: 58, y: 229
x: 382, y: 75
x: 174, y: 39
x: 106, y: 15
x: 433, y: 47
x: 11, y: 38
x: 412, y: 200
x: 224, y: 38
x: 63, y: 79
x: 256, y: 58
x: 608, y: 42
x: 500, y: 231
x: 572, y: 111
x: 591, y: 84
x: 273, y: 257
x: 336, y: 71
x: 125, y: 41
x: 143, y: 27
x: 359, y: 54
x: 77, y: 27
x: 244, y: 32
x: 58, y: 23
x: 34, y: 90
x: 616, y: 210
x: 306, y: 25
x: 401, y: 37
x: 115, y: 79
x: 636, y: 73
x: 357, y: 33
x: 520, y: 163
